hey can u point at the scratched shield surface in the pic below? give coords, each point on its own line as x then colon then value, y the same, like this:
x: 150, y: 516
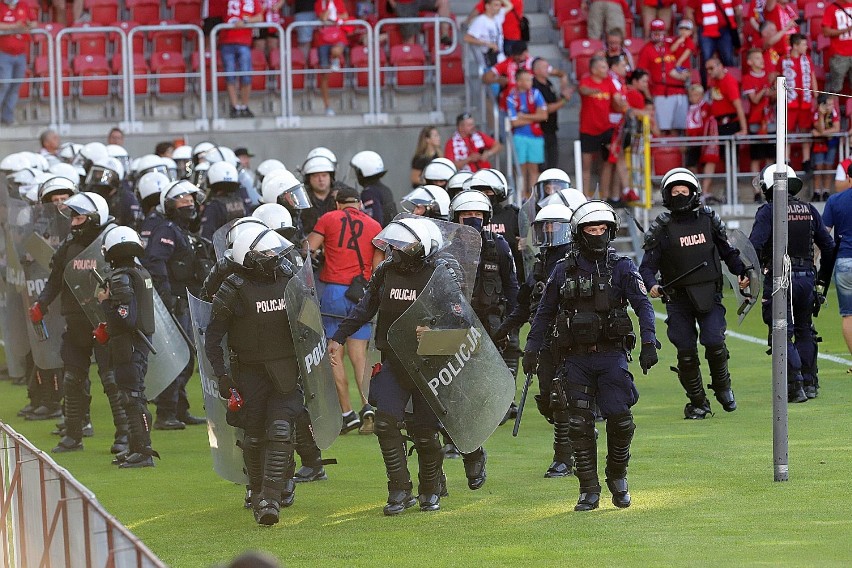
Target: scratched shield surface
x: 449, y: 356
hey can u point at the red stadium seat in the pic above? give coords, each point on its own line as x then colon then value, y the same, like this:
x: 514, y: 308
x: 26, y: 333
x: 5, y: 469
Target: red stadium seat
x: 138, y: 38
x: 186, y: 11
x: 196, y: 67
x: 392, y: 33
x: 169, y: 63
x: 335, y: 78
x: 145, y: 12
x: 634, y: 45
x: 39, y: 40
x: 408, y: 55
x: 167, y: 40
x: 258, y: 63
x: 581, y: 52
x: 358, y: 58
x: 103, y: 12
x: 92, y: 66
x: 297, y: 63
x: 573, y: 29
x: 26, y: 86
x: 565, y: 9
x: 140, y: 71
x: 813, y: 14
x: 452, y: 68
x: 42, y: 71
x: 91, y: 43
x: 667, y: 158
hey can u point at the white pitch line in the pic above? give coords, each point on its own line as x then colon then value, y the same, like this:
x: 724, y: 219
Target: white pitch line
x: 759, y: 341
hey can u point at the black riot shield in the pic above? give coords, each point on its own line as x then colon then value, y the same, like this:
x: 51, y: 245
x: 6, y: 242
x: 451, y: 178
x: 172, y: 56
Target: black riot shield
x: 749, y: 297
x: 220, y: 245
x: 449, y: 356
x: 461, y: 248
x: 227, y: 456
x: 303, y: 312
x: 17, y: 344
x: 36, y: 232
x: 526, y: 216
x: 172, y: 350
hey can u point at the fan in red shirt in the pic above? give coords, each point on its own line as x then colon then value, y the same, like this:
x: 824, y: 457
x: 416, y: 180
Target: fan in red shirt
x: 837, y: 26
x: 700, y: 122
x: 725, y: 104
x: 235, y: 47
x: 15, y: 17
x: 468, y: 148
x: 504, y: 72
x: 757, y: 90
x: 511, y: 23
x: 668, y: 79
x: 798, y: 69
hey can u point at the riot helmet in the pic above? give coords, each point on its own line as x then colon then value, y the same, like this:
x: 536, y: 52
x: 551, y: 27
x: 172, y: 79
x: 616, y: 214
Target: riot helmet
x: 56, y: 189
x: 766, y: 181
x: 171, y: 168
x: 265, y: 251
x: 121, y: 244
x: 438, y: 172
x: 65, y: 170
x: 408, y: 242
x: 317, y: 165
x: 277, y: 218
x: 149, y: 188
x: 491, y: 182
x: 14, y: 163
x: 222, y: 177
x: 456, y: 183
x: 89, y: 153
x: 104, y: 176
x: 469, y: 201
x: 592, y: 213
x: 120, y: 154
x: 37, y: 161
x: 218, y: 154
x: 22, y: 181
x: 368, y: 166
x: 88, y: 212
x: 179, y: 202
x: 282, y: 187
x: 550, y: 182
x: 570, y: 198
x: 427, y: 201
x: 151, y: 163
x: 242, y: 225
x: 183, y: 159
x: 199, y: 150
x: 552, y: 226
x: 266, y: 167
x: 322, y: 151
x: 680, y: 203
x: 68, y: 151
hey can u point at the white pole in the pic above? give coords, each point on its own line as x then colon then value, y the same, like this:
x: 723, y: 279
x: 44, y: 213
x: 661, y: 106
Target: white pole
x: 578, y: 166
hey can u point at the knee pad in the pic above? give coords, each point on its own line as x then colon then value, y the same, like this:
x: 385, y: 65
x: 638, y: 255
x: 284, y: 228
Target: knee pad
x: 279, y: 431
x: 74, y: 378
x: 426, y: 441
x: 254, y: 443
x: 386, y: 426
x: 620, y: 427
x: 581, y: 426
x: 688, y: 360
x: 108, y: 381
x: 715, y: 353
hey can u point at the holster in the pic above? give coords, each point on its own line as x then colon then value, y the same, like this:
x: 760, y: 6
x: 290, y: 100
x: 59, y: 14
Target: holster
x: 702, y: 296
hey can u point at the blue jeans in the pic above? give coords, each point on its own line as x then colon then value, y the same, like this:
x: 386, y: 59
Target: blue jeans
x: 236, y: 58
x: 721, y: 45
x: 11, y: 67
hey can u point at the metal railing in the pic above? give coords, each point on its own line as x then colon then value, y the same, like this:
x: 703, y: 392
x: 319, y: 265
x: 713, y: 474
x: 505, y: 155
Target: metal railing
x: 47, y: 518
x: 33, y: 81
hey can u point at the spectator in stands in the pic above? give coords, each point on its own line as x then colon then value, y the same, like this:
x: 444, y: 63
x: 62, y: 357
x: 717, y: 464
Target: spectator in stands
x: 15, y: 17
x: 774, y: 50
x: 267, y: 38
x: 837, y: 27
x: 656, y: 10
x: 428, y: 148
x: 503, y: 74
x: 701, y: 158
x: 614, y: 47
x: 486, y: 33
x: 837, y: 217
x: 213, y: 13
x: 555, y: 101
x: 725, y: 105
x: 826, y: 121
x: 60, y: 11
x: 468, y: 148
x: 799, y: 71
x: 50, y: 143
x: 603, y: 16
x: 235, y: 47
x: 303, y: 11
x: 412, y: 9
x: 245, y: 158
x: 760, y: 94
x: 527, y: 109
x: 115, y: 136
x: 667, y: 79
x: 781, y: 13
x: 718, y: 30
x: 511, y: 28
x: 333, y: 41
x: 164, y: 149
x: 599, y: 98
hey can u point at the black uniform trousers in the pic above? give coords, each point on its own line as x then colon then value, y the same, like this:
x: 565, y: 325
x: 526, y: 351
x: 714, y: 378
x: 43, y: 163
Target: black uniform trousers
x: 390, y: 391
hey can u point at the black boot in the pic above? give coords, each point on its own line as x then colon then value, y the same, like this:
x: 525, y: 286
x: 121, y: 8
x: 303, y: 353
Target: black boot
x: 563, y: 453
x: 394, y: 455
x: 431, y: 459
x: 619, y: 435
x: 582, y: 434
x: 796, y: 390
x: 312, y: 465
x: 76, y: 402
x: 689, y: 372
x: 278, y: 487
x: 253, y: 453
x: 119, y: 418
x: 140, y: 453
x: 720, y: 377
x: 50, y: 395
x: 474, y: 468
x: 167, y: 420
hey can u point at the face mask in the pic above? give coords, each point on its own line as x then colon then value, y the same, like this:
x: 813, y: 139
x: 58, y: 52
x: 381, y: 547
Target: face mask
x: 474, y: 222
x: 187, y: 213
x: 680, y: 202
x: 402, y: 260
x: 595, y: 246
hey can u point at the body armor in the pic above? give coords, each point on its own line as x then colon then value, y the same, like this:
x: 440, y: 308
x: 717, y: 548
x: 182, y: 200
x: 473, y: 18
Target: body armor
x: 690, y: 243
x: 800, y: 224
x: 232, y: 204
x: 135, y: 280
x: 189, y: 265
x: 488, y: 297
x: 262, y: 310
x: 399, y: 291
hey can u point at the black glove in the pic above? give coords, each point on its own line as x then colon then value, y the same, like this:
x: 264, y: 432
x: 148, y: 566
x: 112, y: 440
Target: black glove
x: 225, y: 386
x: 819, y: 299
x: 500, y: 337
x: 530, y: 362
x: 648, y: 357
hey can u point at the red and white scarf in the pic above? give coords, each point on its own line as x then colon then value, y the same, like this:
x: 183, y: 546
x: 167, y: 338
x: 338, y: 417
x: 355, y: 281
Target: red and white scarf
x: 462, y: 146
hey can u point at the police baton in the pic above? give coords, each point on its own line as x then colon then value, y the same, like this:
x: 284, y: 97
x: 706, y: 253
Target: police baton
x: 141, y: 335
x: 521, y: 405
x: 689, y: 272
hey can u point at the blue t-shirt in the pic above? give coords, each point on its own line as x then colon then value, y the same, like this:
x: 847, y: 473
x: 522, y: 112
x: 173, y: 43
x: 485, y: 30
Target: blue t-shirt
x: 512, y: 109
x: 838, y: 214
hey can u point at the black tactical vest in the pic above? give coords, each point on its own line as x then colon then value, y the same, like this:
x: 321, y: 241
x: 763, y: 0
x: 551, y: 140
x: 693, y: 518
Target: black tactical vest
x: 189, y: 265
x: 233, y: 204
x: 488, y: 288
x: 690, y: 244
x: 399, y: 291
x: 262, y: 333
x: 73, y: 247
x: 800, y: 224
x: 143, y: 290
x: 504, y: 222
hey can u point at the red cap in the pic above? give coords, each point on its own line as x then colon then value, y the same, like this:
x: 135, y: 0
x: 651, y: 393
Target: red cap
x: 658, y: 25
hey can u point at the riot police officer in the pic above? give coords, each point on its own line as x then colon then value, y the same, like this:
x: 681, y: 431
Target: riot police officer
x: 427, y: 201
x: 456, y: 183
x: 806, y: 229
x: 411, y: 250
x: 128, y: 305
x: 89, y: 215
x: 281, y: 187
x: 377, y: 197
x: 246, y: 307
x: 223, y: 202
x: 318, y: 175
x: 105, y: 177
x: 149, y: 187
x: 177, y: 261
x: 686, y: 246
x: 551, y: 232
x: 438, y: 172
x: 182, y: 156
x: 586, y: 296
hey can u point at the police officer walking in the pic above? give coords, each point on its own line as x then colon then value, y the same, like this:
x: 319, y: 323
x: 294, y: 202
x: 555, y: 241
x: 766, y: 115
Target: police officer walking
x: 586, y: 296
x: 149, y: 188
x: 224, y: 202
x: 105, y: 177
x: 686, y: 247
x: 806, y: 229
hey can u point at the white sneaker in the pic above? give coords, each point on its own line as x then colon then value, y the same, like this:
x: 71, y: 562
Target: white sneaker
x: 335, y: 64
x: 330, y: 112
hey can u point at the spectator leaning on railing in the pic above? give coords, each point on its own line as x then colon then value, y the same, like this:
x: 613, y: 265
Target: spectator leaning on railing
x: 468, y: 148
x: 725, y: 104
x: 235, y: 47
x: 14, y: 17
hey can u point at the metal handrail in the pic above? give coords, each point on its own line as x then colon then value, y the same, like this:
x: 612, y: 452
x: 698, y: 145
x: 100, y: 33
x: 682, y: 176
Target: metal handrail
x: 51, y: 61
x: 130, y: 74
x: 57, y: 69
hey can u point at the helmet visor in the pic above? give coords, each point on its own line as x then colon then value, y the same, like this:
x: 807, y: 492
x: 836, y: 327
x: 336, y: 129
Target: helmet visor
x: 420, y: 196
x: 159, y: 168
x: 99, y: 176
x: 296, y: 197
x: 551, y: 233
x: 400, y: 237
x: 547, y: 187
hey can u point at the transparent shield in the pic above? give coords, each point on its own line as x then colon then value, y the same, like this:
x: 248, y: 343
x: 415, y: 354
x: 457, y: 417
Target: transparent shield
x: 220, y: 244
x: 749, y: 297
x: 227, y: 457
x: 303, y: 312
x: 453, y: 362
x: 526, y: 216
x: 461, y: 248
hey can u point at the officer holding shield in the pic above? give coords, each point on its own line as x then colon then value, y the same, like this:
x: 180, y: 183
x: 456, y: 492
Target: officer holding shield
x: 686, y: 247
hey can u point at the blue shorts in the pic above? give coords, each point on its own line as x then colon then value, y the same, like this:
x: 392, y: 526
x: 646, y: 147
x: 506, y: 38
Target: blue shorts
x: 305, y: 34
x: 529, y: 149
x: 236, y: 58
x: 335, y: 303
x: 843, y: 283
x: 826, y: 158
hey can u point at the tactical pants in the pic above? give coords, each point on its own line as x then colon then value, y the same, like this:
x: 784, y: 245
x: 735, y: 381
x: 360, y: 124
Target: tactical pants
x: 173, y: 400
x: 390, y: 391
x: 130, y: 378
x: 262, y: 403
x: 801, y: 339
x: 682, y: 317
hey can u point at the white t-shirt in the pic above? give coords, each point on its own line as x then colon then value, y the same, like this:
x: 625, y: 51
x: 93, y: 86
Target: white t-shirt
x: 490, y: 30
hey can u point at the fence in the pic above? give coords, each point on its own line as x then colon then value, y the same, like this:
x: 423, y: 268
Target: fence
x: 47, y: 518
